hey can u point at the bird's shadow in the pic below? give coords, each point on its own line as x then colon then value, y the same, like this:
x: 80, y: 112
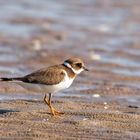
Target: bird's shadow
x: 4, y: 111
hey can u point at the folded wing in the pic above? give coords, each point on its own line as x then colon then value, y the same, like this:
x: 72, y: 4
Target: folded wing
x: 49, y: 76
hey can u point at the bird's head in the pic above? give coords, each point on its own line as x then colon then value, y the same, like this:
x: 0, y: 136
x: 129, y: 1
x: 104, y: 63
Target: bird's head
x: 75, y: 64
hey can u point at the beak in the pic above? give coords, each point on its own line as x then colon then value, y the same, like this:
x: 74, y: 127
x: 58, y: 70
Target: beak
x: 85, y: 69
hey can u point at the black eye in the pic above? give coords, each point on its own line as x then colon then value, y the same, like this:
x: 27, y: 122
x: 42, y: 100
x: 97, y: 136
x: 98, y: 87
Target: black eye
x: 79, y: 65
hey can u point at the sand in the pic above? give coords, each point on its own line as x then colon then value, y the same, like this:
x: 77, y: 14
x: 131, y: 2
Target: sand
x: 103, y: 103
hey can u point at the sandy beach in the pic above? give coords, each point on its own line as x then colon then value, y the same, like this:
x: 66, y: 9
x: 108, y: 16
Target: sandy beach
x: 102, y: 104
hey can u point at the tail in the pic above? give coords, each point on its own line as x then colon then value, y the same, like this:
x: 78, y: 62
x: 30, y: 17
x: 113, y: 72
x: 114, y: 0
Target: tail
x: 11, y: 79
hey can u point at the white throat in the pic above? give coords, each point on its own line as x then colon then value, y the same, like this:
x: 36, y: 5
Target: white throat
x: 75, y: 71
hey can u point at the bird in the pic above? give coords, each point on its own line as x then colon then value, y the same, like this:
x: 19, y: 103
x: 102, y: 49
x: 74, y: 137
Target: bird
x: 50, y: 80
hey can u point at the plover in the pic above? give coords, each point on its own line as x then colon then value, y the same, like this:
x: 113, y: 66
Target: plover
x: 51, y: 79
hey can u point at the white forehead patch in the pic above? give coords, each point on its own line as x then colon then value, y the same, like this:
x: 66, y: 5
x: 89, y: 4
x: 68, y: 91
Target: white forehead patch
x: 75, y: 71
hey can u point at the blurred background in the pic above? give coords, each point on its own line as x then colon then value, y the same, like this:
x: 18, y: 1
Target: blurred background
x: 102, y: 103
x: 105, y: 34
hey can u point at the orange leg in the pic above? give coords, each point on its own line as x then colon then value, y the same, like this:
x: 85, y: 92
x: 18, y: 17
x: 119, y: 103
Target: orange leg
x: 48, y: 102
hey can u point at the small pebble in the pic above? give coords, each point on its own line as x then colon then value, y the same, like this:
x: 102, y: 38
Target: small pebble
x: 95, y: 56
x: 85, y: 119
x: 96, y: 95
x: 45, y: 120
x: 105, y: 103
x: 104, y: 28
x: 105, y: 107
x: 37, y: 45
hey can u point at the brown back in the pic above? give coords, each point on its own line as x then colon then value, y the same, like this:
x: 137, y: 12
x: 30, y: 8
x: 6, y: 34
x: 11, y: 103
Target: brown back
x: 49, y: 76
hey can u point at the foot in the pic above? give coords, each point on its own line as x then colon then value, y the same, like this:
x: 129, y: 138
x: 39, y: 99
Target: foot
x: 54, y: 112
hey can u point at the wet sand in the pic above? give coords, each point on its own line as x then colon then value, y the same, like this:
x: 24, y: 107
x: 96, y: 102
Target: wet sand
x: 101, y: 104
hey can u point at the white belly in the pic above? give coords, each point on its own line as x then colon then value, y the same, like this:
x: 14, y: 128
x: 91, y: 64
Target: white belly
x: 46, y: 88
